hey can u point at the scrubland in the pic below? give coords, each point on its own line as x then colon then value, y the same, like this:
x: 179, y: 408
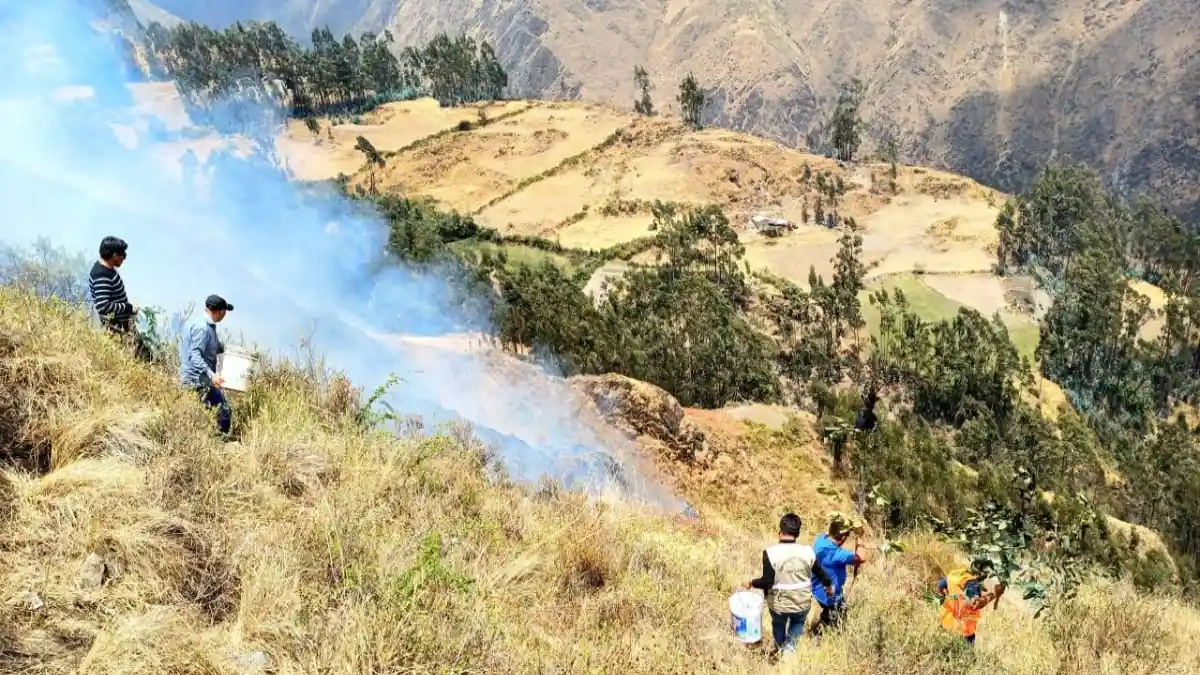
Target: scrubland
x: 134, y: 541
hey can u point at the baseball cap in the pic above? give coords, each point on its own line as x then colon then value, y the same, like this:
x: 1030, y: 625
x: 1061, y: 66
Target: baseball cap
x: 217, y: 304
x: 983, y: 567
x: 840, y: 524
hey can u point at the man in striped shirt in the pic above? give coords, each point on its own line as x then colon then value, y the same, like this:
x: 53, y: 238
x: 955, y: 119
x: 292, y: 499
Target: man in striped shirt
x: 107, y: 291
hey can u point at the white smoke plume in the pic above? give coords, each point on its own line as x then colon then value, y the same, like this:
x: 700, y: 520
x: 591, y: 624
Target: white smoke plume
x: 77, y: 164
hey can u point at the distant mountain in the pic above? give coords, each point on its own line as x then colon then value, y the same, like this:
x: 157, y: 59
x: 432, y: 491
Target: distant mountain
x: 989, y: 88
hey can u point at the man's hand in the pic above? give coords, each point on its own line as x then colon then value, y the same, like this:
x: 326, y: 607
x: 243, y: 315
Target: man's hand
x: 996, y: 595
x: 134, y: 309
x: 829, y: 591
x: 747, y: 585
x: 218, y: 382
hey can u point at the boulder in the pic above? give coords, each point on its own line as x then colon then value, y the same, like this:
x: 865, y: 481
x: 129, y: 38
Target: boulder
x: 647, y: 414
x: 91, y: 572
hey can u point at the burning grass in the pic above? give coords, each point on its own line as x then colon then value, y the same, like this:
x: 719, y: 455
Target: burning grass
x: 313, y: 545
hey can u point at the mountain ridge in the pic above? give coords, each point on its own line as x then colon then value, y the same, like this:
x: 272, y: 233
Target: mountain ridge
x: 991, y: 91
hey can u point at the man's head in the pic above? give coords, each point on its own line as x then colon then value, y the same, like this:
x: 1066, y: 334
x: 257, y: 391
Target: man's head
x: 841, y: 527
x: 217, y: 307
x: 789, y: 526
x: 982, y: 568
x: 113, y: 251
x: 870, y: 398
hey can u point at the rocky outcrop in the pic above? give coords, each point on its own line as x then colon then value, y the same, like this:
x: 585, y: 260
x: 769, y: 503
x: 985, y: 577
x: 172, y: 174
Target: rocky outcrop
x: 648, y: 415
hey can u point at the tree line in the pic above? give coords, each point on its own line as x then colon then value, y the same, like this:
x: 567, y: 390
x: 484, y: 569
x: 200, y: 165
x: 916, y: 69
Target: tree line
x: 840, y: 137
x: 1133, y: 370
x: 256, y: 61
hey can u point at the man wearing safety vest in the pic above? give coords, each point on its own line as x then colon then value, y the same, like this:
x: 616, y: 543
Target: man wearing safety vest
x: 964, y: 597
x: 788, y: 568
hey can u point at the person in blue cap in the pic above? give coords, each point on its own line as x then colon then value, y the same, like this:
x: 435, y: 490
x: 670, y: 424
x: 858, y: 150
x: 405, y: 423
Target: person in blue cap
x: 835, y: 560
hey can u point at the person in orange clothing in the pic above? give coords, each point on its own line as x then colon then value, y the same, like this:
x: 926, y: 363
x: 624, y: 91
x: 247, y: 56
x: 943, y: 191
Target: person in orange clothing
x: 965, y: 593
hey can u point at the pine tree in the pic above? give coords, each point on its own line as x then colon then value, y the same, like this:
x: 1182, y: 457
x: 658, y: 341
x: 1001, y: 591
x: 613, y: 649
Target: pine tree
x: 846, y: 124
x: 691, y: 101
x: 369, y: 152
x: 891, y: 152
x: 643, y: 106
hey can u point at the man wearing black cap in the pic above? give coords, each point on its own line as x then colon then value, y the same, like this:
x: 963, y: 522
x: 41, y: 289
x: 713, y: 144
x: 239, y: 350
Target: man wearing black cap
x: 198, y: 352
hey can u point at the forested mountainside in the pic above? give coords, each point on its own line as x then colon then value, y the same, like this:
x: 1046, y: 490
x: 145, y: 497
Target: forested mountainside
x: 1128, y: 364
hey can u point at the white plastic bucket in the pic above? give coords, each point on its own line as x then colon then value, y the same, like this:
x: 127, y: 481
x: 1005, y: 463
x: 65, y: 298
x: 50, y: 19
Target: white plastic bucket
x: 745, y: 609
x: 234, y: 367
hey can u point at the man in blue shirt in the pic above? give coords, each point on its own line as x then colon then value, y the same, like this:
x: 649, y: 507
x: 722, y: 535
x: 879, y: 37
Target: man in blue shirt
x: 834, y: 560
x: 198, y: 350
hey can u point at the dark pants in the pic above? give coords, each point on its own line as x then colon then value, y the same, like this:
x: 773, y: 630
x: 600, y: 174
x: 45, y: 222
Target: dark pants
x: 787, y: 628
x: 970, y: 640
x: 213, y: 397
x: 831, y: 617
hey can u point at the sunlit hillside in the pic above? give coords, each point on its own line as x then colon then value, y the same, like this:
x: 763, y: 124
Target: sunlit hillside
x: 587, y: 175
x: 326, y: 539
x: 135, y: 543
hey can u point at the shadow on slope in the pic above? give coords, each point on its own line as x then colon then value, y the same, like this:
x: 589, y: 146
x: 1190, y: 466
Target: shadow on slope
x: 1004, y: 141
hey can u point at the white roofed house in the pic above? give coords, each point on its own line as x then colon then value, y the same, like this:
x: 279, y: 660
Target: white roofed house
x: 771, y: 227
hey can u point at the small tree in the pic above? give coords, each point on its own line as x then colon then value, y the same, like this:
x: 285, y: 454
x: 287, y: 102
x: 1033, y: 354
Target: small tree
x: 374, y: 159
x: 846, y: 124
x: 369, y: 152
x: 642, y: 106
x: 313, y: 126
x: 891, y: 152
x: 691, y: 100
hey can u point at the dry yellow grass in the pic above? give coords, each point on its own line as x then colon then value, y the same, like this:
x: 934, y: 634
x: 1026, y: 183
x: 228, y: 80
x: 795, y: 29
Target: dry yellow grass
x: 1158, y: 301
x: 390, y: 127
x: 548, y: 171
x: 318, y: 546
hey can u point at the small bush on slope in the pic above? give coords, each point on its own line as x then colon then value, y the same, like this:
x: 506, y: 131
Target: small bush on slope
x: 335, y: 549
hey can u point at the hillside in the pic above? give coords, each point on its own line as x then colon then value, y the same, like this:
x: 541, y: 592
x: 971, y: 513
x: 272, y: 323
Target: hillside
x: 341, y: 532
x: 990, y: 90
x: 586, y: 175
x: 312, y: 544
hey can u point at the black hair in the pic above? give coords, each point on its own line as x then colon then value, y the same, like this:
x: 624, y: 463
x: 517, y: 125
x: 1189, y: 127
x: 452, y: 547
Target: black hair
x: 982, y: 566
x: 790, y: 525
x: 110, y: 246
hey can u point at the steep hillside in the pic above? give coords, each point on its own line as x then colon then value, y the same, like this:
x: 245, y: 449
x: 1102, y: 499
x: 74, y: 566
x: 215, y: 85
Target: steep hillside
x: 586, y: 176
x: 990, y: 90
x: 135, y: 543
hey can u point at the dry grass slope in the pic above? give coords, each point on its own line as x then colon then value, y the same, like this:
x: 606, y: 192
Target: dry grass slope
x: 334, y: 549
